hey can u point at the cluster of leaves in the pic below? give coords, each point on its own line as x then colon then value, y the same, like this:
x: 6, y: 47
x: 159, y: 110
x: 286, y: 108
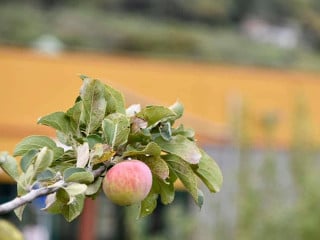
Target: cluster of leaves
x: 98, y: 132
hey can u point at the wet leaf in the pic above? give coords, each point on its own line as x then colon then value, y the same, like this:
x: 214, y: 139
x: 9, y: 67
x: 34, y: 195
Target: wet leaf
x: 155, y: 114
x: 79, y: 175
x: 148, y: 205
x: 185, y: 173
x: 209, y: 172
x: 182, y: 147
x: 166, y: 191
x: 152, y: 149
x: 157, y: 166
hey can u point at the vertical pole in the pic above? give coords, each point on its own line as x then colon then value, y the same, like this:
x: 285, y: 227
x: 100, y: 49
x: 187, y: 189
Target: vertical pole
x: 87, y: 226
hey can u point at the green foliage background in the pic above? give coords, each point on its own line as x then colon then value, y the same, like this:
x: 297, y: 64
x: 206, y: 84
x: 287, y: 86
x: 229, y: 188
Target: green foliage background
x: 198, y: 30
x: 266, y: 209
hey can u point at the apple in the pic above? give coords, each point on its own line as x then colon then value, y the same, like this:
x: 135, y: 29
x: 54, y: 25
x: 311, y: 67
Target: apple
x: 127, y: 182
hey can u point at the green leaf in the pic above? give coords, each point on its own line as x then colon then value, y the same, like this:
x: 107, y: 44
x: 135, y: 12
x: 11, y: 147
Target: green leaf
x: 37, y: 142
x: 60, y: 203
x: 58, y: 120
x: 92, y: 94
x: 148, y: 205
x: 115, y: 101
x: 75, y: 114
x: 94, y: 187
x: 182, y: 147
x: 101, y: 153
x: 178, y: 109
x: 26, y: 160
x: 94, y: 139
x: 9, y: 165
x: 73, y: 209
x: 188, y: 133
x: 165, y: 131
x: 155, y: 114
x: 166, y: 190
x: 157, y: 166
x: 209, y: 172
x: 150, y: 155
x: 79, y: 175
x: 75, y: 189
x: 53, y: 205
x: 25, y: 181
x: 63, y: 196
x: 116, y: 129
x: 152, y: 149
x: 83, y: 77
x: 46, y: 175
x: 143, y: 136
x: 185, y: 173
x: 66, y: 139
x: 44, y: 160
x: 19, y: 211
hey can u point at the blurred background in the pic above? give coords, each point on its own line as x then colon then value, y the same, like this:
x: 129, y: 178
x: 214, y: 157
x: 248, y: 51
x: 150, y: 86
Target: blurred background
x: 247, y: 72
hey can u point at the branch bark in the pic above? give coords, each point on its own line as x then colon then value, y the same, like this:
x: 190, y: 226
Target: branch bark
x: 35, y: 193
x: 29, y: 197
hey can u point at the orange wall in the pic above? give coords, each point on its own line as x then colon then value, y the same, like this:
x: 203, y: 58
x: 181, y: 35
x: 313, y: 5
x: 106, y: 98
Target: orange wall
x: 33, y: 85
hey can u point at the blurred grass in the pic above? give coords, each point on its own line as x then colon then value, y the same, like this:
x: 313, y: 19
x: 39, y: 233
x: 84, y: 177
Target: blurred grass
x: 97, y: 30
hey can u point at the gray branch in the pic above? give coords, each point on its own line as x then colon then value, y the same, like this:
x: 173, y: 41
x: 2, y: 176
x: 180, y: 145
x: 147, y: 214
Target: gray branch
x: 29, y: 197
x: 35, y: 193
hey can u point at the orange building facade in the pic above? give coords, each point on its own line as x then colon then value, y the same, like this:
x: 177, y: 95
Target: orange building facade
x: 33, y: 85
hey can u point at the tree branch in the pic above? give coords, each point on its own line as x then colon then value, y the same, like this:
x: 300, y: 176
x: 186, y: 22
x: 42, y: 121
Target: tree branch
x: 29, y: 197
x: 35, y: 193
